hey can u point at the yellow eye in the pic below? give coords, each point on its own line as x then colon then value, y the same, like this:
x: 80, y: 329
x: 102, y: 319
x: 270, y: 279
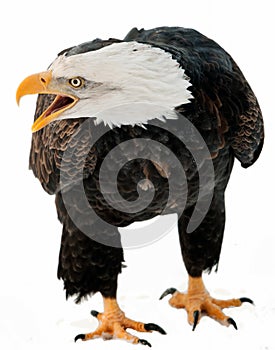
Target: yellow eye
x: 76, y: 82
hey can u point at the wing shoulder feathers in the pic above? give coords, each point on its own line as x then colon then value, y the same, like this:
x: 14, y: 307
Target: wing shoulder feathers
x: 214, y: 73
x: 248, y: 131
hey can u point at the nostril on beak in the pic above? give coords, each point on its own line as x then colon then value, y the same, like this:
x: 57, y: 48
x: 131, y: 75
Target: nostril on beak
x: 44, y: 78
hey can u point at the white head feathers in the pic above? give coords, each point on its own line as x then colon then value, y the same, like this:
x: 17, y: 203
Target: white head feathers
x: 126, y: 83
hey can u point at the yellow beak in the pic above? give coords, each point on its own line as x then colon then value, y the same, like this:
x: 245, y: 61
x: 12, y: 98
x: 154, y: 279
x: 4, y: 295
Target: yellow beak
x: 39, y: 84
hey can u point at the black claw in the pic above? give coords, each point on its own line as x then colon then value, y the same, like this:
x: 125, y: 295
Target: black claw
x: 79, y: 336
x: 196, y: 315
x: 144, y: 342
x: 231, y: 321
x: 94, y: 313
x: 153, y: 327
x: 167, y: 292
x: 246, y: 300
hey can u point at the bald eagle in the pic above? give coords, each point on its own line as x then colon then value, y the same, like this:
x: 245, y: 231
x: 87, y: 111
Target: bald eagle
x: 127, y: 130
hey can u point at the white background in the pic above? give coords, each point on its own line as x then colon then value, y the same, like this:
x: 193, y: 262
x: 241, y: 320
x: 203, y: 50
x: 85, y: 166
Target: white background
x: 33, y: 310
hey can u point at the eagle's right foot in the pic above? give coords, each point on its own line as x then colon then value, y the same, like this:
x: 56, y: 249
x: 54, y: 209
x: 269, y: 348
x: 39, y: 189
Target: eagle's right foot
x: 113, y: 325
x: 197, y: 302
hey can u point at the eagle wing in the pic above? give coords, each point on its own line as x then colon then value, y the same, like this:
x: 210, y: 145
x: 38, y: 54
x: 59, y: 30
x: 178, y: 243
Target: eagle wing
x: 223, y: 100
x: 48, y: 147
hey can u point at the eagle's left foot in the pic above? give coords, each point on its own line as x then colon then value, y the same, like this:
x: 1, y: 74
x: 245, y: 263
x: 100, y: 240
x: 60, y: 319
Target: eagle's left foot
x: 113, y: 325
x: 197, y: 302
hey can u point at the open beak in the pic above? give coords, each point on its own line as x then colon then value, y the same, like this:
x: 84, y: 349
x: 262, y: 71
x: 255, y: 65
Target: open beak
x: 39, y: 84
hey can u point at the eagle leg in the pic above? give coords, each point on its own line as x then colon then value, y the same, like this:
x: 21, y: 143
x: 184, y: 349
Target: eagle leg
x: 113, y: 324
x: 198, y: 302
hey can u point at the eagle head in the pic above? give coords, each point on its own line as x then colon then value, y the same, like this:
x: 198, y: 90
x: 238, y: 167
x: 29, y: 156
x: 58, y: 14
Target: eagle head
x: 125, y: 83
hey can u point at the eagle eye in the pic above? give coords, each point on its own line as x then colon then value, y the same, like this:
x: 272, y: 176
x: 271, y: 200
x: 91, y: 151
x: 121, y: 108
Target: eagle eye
x: 76, y: 82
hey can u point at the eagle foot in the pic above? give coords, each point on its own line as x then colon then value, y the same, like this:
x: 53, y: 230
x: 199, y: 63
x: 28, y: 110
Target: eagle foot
x: 197, y: 302
x: 113, y: 325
